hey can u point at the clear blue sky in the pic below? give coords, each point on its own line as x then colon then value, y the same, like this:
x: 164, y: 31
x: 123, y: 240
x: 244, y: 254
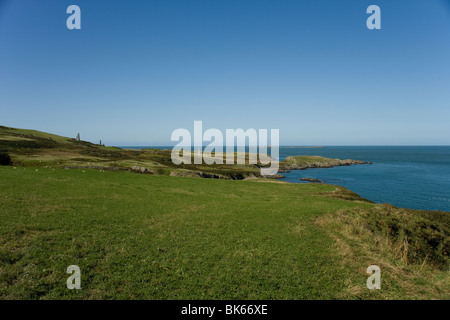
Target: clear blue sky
x: 137, y: 70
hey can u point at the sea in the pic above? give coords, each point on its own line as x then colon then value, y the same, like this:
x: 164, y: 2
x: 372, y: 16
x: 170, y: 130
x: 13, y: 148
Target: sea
x: 415, y: 177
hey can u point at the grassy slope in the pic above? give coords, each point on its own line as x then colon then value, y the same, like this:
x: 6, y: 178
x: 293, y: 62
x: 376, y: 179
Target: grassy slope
x: 159, y: 237
x: 35, y: 148
x: 15, y: 134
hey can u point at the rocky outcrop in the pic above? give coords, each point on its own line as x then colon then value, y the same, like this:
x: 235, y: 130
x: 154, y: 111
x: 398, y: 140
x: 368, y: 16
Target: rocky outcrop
x: 231, y: 176
x: 307, y: 162
x: 141, y: 170
x: 97, y: 168
x: 275, y: 176
x: 311, y: 180
x: 196, y: 174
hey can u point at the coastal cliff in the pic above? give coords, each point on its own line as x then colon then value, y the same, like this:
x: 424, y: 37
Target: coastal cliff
x: 306, y: 162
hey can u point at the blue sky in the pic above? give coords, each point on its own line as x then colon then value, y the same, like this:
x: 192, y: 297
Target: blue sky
x: 137, y: 70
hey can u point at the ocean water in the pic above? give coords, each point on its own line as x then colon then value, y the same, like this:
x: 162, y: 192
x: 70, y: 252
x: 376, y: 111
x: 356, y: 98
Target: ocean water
x: 408, y: 177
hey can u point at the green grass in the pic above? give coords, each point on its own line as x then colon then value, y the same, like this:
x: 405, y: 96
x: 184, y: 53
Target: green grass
x: 308, y: 159
x: 138, y: 236
x: 27, y: 133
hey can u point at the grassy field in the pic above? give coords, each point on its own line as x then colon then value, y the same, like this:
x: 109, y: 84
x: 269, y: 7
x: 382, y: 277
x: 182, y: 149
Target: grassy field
x: 138, y: 236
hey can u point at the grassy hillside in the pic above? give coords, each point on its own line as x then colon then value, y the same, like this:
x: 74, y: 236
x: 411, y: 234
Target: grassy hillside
x: 159, y: 237
x: 40, y: 149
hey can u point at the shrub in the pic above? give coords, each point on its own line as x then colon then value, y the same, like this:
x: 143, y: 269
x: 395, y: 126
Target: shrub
x: 5, y: 159
x: 419, y: 236
x: 28, y: 144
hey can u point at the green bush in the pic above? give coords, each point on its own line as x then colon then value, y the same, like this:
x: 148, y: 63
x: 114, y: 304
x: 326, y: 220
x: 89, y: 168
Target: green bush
x: 5, y: 159
x: 427, y: 233
x: 28, y: 144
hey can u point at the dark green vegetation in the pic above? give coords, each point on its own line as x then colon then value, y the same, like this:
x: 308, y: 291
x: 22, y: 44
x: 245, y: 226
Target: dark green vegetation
x: 418, y: 237
x: 5, y: 159
x: 160, y: 237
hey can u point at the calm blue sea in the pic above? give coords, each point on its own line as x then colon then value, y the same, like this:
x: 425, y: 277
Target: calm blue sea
x: 409, y: 177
